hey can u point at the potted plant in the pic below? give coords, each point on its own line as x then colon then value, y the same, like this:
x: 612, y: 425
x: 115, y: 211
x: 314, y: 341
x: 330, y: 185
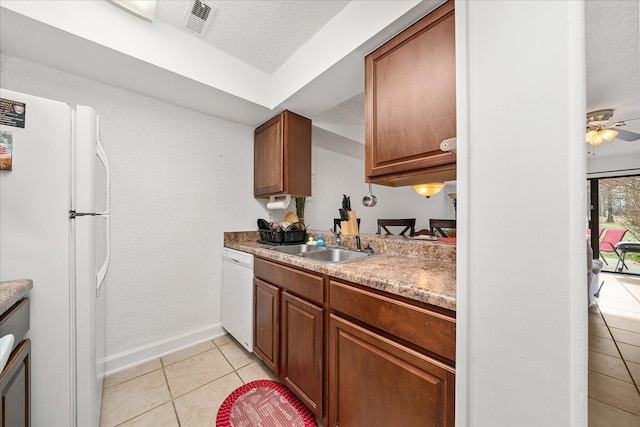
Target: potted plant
x: 300, y: 204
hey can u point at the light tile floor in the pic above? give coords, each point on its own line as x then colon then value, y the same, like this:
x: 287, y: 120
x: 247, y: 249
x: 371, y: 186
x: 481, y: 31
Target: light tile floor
x: 183, y: 389
x: 614, y: 353
x: 186, y: 388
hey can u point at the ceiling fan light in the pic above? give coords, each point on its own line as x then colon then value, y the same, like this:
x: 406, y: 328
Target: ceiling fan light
x: 608, y: 134
x: 597, y: 140
x: 591, y: 136
x: 429, y: 189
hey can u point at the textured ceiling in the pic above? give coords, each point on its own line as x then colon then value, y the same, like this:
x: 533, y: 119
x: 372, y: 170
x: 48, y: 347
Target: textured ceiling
x: 613, y: 55
x: 267, y: 33
x: 264, y: 33
x: 613, y: 64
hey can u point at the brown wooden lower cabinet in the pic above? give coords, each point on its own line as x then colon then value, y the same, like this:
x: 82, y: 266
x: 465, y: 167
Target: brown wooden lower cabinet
x: 301, y: 361
x: 374, y: 381
x: 355, y: 356
x: 266, y: 342
x: 14, y: 387
x: 289, y: 316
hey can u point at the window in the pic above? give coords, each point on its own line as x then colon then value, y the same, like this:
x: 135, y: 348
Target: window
x: 614, y: 217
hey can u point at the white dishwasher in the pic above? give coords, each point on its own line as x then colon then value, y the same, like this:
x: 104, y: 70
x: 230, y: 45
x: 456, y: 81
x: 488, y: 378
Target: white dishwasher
x: 237, y: 296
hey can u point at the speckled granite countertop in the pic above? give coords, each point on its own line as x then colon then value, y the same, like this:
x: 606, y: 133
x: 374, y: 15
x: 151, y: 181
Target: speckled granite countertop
x: 420, y: 270
x: 12, y: 291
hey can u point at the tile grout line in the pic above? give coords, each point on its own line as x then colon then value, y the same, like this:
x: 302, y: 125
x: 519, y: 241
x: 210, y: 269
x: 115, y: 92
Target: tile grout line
x: 633, y: 380
x: 131, y: 379
x: 163, y: 367
x: 216, y: 347
x: 173, y: 403
x: 615, y: 407
x: 232, y: 367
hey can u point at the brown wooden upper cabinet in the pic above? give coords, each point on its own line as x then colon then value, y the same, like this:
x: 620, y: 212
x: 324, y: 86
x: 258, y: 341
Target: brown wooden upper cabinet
x: 282, y: 156
x: 410, y: 97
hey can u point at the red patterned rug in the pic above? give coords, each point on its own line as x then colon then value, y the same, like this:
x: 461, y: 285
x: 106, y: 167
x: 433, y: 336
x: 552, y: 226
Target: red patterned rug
x: 264, y: 403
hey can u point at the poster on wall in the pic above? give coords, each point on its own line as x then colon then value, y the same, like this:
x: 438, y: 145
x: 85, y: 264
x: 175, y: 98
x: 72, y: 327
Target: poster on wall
x: 6, y: 150
x: 12, y: 113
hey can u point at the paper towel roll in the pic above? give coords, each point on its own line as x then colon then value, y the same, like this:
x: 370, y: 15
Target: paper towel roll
x: 275, y: 203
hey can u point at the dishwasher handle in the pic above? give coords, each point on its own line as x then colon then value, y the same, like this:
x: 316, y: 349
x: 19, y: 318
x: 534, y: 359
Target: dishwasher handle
x: 237, y: 257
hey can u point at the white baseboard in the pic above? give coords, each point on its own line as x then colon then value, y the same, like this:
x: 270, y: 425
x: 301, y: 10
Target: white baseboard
x: 130, y: 358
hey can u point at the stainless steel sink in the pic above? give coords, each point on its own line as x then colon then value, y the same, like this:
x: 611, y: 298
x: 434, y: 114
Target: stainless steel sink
x: 298, y: 249
x: 326, y: 254
x: 336, y: 255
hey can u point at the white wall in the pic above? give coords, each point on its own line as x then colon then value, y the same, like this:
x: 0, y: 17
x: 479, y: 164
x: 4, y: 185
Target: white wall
x: 179, y: 180
x: 522, y: 303
x: 626, y: 163
x: 338, y: 168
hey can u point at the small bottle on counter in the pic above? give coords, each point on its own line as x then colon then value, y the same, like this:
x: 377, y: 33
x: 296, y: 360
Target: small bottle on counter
x: 311, y: 241
x: 320, y: 240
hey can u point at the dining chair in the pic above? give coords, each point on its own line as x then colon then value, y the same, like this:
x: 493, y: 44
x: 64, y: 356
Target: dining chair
x: 409, y: 224
x: 439, y: 227
x: 612, y: 236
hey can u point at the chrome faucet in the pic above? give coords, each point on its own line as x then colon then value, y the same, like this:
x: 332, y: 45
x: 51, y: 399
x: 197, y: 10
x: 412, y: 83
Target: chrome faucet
x: 336, y: 239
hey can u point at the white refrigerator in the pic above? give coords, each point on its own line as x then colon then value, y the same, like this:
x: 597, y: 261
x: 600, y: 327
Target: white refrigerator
x: 54, y: 229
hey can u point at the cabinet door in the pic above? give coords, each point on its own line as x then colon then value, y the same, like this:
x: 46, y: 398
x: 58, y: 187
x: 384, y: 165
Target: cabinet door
x: 282, y: 156
x: 14, y: 387
x: 266, y: 343
x: 268, y: 175
x: 410, y: 101
x: 374, y: 381
x: 302, y: 355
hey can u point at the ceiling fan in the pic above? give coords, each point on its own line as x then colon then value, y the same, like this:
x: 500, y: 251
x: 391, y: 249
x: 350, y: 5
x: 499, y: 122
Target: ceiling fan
x: 599, y: 129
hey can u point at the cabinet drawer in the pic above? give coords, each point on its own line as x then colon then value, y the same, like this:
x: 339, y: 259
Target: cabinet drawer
x: 301, y: 283
x: 15, y: 321
x: 426, y: 328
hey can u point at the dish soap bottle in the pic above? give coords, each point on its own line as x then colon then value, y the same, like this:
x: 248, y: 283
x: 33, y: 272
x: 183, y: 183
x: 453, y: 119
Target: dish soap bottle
x: 320, y: 240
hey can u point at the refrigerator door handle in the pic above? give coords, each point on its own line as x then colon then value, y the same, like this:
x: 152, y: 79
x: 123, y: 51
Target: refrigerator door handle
x: 102, y: 156
x: 102, y: 272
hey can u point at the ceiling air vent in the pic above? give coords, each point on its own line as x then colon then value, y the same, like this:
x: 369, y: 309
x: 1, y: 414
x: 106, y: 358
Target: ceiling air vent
x: 198, y: 17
